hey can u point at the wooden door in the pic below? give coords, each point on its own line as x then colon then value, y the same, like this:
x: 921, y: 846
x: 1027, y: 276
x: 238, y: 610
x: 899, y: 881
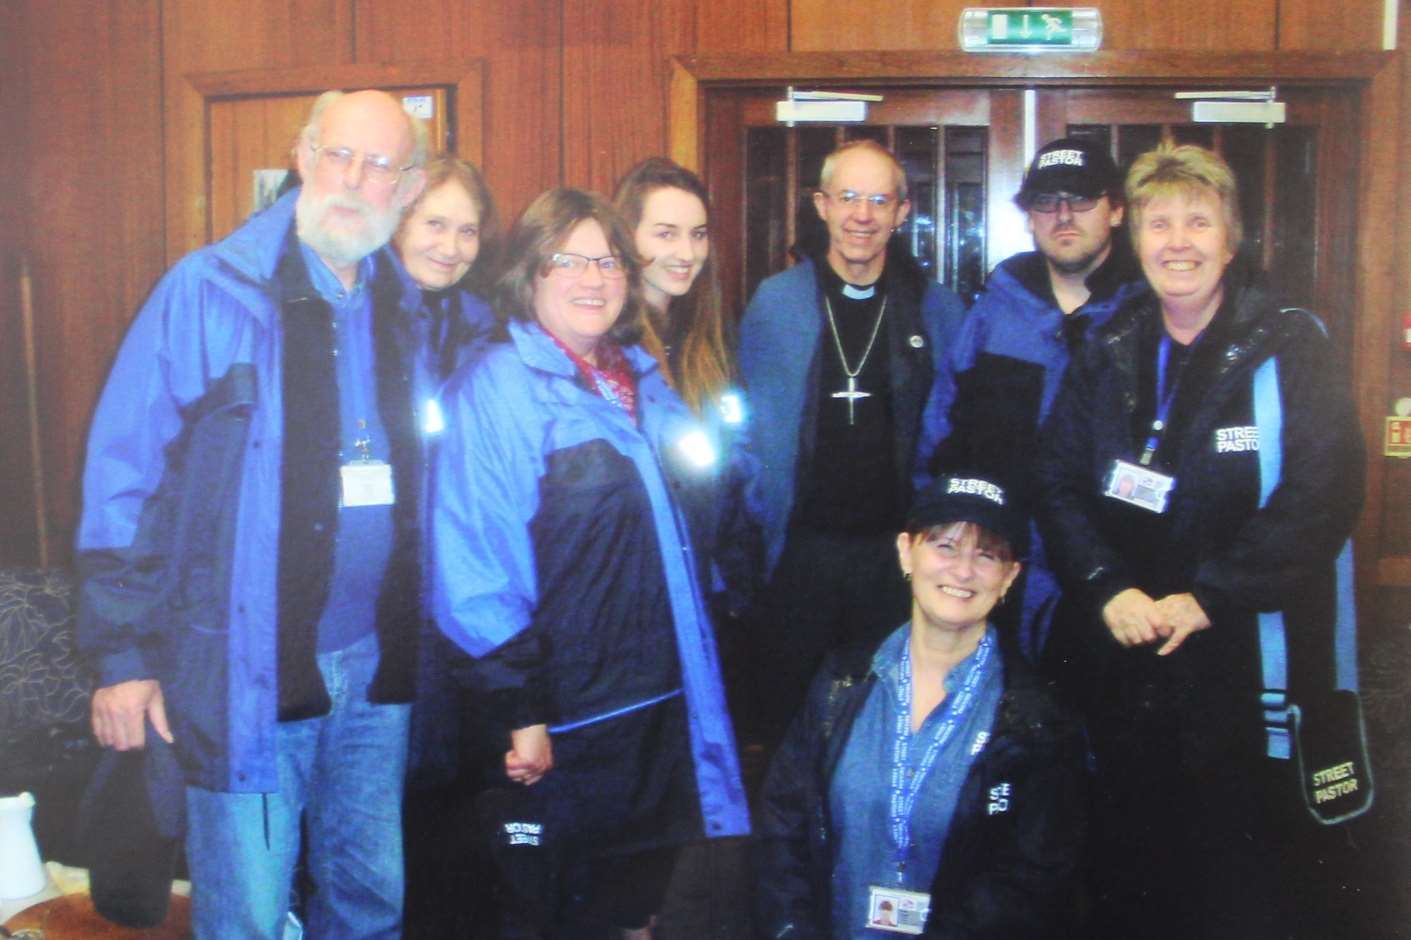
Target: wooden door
x: 251, y: 137
x: 1321, y: 191
x: 1294, y: 178
x: 250, y: 119
x: 761, y: 175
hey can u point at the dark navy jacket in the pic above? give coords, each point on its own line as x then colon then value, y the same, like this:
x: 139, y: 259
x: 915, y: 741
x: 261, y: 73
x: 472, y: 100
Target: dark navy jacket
x: 563, y: 560
x: 1214, y: 540
x: 1010, y: 859
x: 780, y: 338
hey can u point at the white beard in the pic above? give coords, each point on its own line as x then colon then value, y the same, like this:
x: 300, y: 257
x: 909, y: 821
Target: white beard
x: 343, y: 248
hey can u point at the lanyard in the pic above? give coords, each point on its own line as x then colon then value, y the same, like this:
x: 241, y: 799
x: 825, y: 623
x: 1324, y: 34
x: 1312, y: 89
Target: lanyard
x: 354, y: 336
x: 608, y: 391
x: 906, y: 788
x: 1164, y: 398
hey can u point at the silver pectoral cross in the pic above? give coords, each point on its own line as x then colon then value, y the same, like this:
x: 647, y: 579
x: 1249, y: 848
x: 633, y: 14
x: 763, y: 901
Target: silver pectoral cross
x: 852, y: 394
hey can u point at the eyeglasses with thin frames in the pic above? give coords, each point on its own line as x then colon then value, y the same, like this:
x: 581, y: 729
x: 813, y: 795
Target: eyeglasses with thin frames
x: 572, y: 264
x: 376, y: 168
x: 849, y: 199
x: 1048, y: 202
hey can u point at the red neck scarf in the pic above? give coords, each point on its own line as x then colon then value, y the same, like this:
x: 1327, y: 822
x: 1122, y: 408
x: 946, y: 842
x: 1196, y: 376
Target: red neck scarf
x: 611, y: 378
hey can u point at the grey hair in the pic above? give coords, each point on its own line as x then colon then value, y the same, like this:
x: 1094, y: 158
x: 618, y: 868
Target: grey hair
x: 421, y: 137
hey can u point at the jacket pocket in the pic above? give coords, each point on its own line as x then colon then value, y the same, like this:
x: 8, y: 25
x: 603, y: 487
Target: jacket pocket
x: 205, y: 466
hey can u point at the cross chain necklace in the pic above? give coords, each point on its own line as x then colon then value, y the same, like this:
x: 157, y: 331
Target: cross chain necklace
x: 852, y: 393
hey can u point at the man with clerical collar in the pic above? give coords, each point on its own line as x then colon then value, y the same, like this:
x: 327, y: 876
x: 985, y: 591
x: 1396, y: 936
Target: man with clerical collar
x: 1003, y: 371
x: 249, y: 558
x: 838, y: 355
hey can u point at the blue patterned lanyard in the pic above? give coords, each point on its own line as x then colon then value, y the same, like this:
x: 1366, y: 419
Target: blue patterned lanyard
x: 606, y: 390
x: 906, y: 788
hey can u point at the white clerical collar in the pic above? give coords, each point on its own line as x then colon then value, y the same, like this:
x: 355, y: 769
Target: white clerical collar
x: 853, y: 292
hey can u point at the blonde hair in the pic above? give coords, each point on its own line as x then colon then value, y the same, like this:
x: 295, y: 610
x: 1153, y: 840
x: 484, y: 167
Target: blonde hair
x: 706, y: 368
x: 1187, y: 170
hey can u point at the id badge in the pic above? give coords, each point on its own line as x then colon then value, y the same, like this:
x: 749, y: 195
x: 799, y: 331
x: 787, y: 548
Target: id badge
x: 367, y: 483
x: 897, y: 911
x: 1138, y: 485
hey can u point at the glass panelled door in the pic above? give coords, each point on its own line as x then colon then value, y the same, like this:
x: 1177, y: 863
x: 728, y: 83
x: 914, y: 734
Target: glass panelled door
x: 763, y: 185
x: 1296, y: 181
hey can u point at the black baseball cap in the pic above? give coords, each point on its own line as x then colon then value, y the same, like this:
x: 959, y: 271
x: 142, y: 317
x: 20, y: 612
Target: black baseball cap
x: 1078, y: 165
x: 964, y: 497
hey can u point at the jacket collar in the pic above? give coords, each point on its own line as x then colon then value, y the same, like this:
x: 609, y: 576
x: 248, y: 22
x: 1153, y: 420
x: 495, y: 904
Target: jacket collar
x: 1246, y: 324
x: 1117, y: 271
x: 540, y: 352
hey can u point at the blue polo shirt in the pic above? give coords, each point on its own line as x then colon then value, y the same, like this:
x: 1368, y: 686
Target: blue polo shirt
x: 364, y: 541
x: 859, y: 794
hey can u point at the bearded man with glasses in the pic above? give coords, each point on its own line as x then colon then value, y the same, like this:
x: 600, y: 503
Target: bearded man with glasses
x: 1038, y: 306
x: 249, y: 552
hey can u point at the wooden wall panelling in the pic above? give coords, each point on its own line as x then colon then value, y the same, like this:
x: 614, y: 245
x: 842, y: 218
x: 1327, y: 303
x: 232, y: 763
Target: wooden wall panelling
x: 742, y: 26
x: 210, y: 35
x: 1384, y: 364
x: 1317, y: 24
x: 1381, y: 267
x: 251, y: 117
x: 519, y: 42
x: 1394, y: 474
x: 1193, y: 26
x: 94, y: 230
x: 17, y: 518
x: 616, y: 61
x: 828, y: 25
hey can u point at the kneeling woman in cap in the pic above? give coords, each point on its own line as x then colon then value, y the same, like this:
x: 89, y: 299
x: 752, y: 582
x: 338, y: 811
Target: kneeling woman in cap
x: 930, y: 786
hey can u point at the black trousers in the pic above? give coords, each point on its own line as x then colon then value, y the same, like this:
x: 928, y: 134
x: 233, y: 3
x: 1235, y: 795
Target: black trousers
x: 1221, y: 851
x: 827, y: 591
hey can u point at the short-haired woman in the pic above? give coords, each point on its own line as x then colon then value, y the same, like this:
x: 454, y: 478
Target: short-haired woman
x: 1151, y: 504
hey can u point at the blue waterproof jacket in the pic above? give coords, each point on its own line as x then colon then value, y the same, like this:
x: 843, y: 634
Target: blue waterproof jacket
x: 178, y: 544
x: 780, y: 338
x: 535, y: 467
x: 1001, y: 377
x: 1010, y: 353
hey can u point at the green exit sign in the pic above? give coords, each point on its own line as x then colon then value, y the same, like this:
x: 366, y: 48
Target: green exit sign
x: 1025, y: 26
x: 1030, y: 29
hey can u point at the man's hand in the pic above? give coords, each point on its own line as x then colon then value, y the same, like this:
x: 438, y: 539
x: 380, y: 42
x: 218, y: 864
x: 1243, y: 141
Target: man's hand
x: 1183, y: 614
x: 1134, y: 619
x: 120, y: 713
x: 531, y: 754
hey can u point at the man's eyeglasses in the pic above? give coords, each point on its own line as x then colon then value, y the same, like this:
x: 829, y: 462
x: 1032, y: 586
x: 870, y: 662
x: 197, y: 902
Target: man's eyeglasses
x: 849, y: 199
x: 573, y: 265
x: 376, y: 168
x: 1048, y: 202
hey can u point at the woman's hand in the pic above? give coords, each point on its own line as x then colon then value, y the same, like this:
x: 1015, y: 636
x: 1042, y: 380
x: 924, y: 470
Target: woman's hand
x: 1134, y: 619
x: 1183, y: 614
x: 531, y: 754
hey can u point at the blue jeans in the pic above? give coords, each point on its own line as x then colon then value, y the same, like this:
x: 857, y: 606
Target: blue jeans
x: 343, y: 774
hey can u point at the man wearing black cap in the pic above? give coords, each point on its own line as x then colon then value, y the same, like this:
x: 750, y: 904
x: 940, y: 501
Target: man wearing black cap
x: 1038, y: 306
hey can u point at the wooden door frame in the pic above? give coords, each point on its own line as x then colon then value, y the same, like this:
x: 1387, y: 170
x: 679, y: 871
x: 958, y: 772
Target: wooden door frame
x: 1381, y: 269
x: 187, y: 209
